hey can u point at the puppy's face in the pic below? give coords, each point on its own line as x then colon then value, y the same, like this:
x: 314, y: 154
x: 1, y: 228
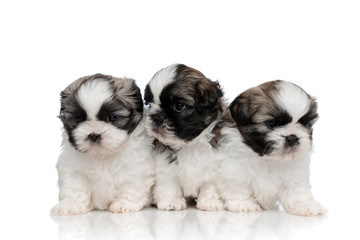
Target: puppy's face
x: 182, y: 102
x: 276, y: 119
x: 99, y: 112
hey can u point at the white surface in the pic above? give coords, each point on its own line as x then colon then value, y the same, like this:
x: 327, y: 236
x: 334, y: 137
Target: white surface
x: 191, y: 224
x: 45, y: 45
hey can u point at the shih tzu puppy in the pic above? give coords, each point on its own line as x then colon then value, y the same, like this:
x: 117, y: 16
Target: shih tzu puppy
x: 184, y: 109
x: 105, y: 162
x: 266, y: 153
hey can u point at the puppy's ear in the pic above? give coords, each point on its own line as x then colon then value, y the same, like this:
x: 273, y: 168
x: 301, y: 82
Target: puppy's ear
x: 207, y: 94
x: 63, y: 95
x: 245, y: 106
x: 137, y: 98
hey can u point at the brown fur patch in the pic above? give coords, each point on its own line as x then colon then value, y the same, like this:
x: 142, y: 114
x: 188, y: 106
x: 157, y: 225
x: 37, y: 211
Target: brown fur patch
x: 253, y: 101
x: 225, y: 121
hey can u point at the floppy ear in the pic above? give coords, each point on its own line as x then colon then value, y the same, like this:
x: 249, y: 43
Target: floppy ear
x: 136, y: 97
x: 245, y: 106
x: 207, y: 94
x: 63, y: 95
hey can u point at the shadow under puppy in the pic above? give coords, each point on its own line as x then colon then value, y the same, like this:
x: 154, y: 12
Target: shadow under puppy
x: 184, y: 109
x: 266, y: 154
x: 105, y: 162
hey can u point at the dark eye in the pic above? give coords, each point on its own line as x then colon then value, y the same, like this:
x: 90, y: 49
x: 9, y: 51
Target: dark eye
x: 272, y: 123
x: 111, y: 118
x: 79, y: 119
x: 304, y: 122
x: 179, y: 107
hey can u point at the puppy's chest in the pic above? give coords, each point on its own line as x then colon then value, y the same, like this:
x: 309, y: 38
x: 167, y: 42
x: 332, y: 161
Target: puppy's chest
x: 104, y: 171
x: 194, y: 168
x: 268, y: 181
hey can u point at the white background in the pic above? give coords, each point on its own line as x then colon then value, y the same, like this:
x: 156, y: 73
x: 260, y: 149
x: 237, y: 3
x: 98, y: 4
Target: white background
x: 45, y: 45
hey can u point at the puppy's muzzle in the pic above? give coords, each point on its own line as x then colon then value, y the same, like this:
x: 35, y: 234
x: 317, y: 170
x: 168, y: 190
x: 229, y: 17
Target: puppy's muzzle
x: 291, y: 140
x: 94, y: 137
x: 158, y: 119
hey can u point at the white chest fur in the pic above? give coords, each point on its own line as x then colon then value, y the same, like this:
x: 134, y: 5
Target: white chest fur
x: 99, y: 180
x: 195, y: 165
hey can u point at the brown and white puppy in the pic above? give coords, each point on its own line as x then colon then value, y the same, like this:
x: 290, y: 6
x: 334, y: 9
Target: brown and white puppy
x: 184, y: 108
x: 105, y: 161
x: 266, y: 155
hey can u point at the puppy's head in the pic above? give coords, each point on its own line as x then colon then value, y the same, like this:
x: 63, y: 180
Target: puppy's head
x: 182, y: 102
x: 99, y: 112
x: 276, y: 119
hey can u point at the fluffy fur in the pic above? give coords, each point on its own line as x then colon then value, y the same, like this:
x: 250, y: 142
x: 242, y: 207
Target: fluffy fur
x: 185, y: 107
x: 105, y: 161
x: 266, y: 153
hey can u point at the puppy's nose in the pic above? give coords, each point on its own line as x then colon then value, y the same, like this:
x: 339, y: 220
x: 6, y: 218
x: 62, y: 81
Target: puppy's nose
x: 158, y: 118
x: 94, y: 137
x: 291, y: 140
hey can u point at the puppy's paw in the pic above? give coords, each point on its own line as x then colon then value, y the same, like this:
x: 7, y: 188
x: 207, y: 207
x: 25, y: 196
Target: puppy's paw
x: 125, y: 206
x: 210, y: 205
x: 242, y: 206
x: 68, y: 208
x: 171, y: 204
x: 308, y: 208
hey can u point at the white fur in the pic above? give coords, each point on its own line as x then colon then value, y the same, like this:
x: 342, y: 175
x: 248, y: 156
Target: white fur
x: 161, y: 79
x: 112, y: 137
x: 119, y: 182
x: 193, y: 175
x: 92, y: 95
x: 248, y: 182
x: 293, y: 99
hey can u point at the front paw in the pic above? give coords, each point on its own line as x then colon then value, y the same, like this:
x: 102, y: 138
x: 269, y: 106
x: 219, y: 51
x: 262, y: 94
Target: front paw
x: 171, y: 204
x: 308, y: 208
x: 210, y: 205
x: 68, y: 208
x: 125, y: 206
x: 242, y: 206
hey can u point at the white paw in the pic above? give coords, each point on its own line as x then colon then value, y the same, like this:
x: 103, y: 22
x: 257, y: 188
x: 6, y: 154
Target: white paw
x: 171, y: 204
x: 68, y: 207
x: 210, y: 205
x: 242, y: 206
x: 308, y: 208
x: 125, y: 206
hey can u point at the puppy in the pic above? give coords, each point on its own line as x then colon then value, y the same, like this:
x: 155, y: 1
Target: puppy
x: 266, y: 154
x: 184, y: 109
x: 105, y: 162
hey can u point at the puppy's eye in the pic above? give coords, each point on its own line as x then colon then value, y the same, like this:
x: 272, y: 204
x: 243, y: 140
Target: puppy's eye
x: 79, y: 119
x: 179, y: 107
x: 111, y: 118
x: 304, y: 122
x: 272, y: 123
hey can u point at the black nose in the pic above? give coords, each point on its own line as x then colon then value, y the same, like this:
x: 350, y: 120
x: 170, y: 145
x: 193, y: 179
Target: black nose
x: 157, y: 118
x: 291, y: 140
x: 94, y: 137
